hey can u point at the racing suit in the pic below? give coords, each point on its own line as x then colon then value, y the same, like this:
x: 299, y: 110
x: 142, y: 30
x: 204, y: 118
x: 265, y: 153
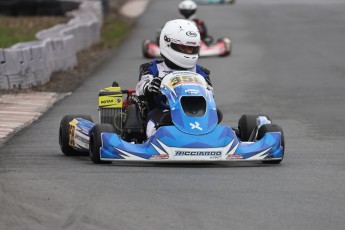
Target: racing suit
x: 153, y: 69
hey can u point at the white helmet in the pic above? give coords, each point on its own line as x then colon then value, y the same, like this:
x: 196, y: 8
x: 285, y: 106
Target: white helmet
x: 180, y: 42
x: 187, y: 8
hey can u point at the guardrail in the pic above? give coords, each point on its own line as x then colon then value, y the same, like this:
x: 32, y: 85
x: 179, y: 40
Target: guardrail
x: 27, y: 64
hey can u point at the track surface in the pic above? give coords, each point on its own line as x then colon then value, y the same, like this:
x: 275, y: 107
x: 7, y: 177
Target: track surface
x: 288, y: 62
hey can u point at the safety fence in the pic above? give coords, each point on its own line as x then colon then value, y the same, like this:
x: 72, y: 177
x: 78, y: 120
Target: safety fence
x: 28, y: 64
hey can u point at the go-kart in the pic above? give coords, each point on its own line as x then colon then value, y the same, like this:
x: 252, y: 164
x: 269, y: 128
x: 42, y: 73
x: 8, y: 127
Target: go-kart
x: 222, y: 48
x: 200, y: 2
x: 190, y: 132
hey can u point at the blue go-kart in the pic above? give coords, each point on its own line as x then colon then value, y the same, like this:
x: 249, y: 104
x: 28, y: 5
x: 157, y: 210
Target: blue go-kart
x: 190, y: 131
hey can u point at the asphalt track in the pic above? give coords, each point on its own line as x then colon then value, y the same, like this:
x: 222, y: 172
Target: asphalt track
x: 287, y: 61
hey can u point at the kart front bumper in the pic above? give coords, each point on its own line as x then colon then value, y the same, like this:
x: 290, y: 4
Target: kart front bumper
x: 170, y: 145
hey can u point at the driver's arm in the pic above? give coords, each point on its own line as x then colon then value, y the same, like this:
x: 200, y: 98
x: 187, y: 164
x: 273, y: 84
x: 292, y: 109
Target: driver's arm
x: 143, y: 81
x: 145, y: 77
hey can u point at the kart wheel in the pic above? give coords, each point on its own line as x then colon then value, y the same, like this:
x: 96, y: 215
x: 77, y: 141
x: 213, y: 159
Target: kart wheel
x: 96, y: 142
x: 228, y: 46
x: 145, y: 47
x: 272, y: 128
x: 64, y: 133
x: 247, y: 124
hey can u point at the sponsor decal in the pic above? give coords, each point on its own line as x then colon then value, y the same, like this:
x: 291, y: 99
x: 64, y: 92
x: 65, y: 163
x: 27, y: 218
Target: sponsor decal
x: 191, y: 34
x: 166, y: 39
x: 184, y: 80
x: 215, y: 157
x: 159, y: 157
x: 176, y: 41
x: 192, y: 43
x: 195, y: 126
x: 110, y: 101
x: 234, y: 156
x: 107, y: 101
x: 71, y: 135
x: 82, y: 139
x: 198, y: 153
x: 192, y: 91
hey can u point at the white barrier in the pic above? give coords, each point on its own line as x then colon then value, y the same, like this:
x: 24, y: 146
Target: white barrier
x: 27, y: 64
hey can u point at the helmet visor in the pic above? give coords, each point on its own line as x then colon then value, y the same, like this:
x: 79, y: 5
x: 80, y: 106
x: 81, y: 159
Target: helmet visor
x: 187, y: 13
x: 185, y: 49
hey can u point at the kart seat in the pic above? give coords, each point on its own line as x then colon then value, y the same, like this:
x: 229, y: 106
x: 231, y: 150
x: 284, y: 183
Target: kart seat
x: 133, y: 128
x: 165, y: 120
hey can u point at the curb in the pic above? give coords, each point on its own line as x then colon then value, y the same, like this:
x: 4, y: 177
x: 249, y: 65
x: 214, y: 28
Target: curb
x: 18, y: 111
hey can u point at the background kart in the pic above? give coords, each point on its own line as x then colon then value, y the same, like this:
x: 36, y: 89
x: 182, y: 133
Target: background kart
x: 222, y: 48
x: 200, y: 2
x: 189, y: 133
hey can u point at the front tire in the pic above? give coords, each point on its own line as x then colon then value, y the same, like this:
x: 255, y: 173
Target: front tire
x: 272, y: 128
x: 64, y: 133
x: 247, y: 124
x: 96, y: 142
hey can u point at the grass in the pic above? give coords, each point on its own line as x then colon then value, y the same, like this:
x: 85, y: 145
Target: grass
x: 114, y: 30
x: 22, y: 29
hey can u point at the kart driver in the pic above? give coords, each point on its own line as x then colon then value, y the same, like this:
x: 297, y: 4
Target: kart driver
x: 188, y: 9
x: 179, y: 47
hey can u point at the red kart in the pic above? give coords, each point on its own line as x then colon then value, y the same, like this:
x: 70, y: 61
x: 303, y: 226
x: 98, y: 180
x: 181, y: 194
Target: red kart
x: 221, y: 48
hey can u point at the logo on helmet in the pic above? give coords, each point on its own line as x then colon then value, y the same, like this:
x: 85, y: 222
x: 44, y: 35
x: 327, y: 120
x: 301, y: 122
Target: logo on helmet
x: 166, y: 39
x: 191, y: 34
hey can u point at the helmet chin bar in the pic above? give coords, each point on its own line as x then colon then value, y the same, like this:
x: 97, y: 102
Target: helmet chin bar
x: 171, y: 64
x: 188, y: 60
x: 187, y: 13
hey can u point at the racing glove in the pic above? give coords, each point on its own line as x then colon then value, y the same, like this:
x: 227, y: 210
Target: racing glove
x: 153, y: 86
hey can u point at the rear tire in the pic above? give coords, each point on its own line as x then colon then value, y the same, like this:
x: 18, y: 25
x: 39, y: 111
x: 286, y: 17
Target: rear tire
x: 64, y: 134
x: 144, y: 47
x: 96, y: 142
x: 230, y: 46
x: 272, y: 128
